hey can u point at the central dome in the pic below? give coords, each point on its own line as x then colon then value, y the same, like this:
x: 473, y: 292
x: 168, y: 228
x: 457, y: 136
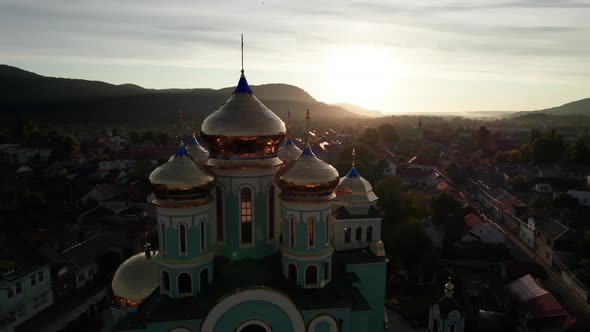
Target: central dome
x: 243, y: 128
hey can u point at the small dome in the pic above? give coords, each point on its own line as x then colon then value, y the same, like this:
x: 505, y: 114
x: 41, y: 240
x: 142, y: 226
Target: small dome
x: 135, y: 280
x: 447, y: 302
x: 195, y: 150
x: 355, y: 189
x: 308, y: 177
x: 243, y: 128
x: 288, y: 151
x: 182, y: 179
x: 377, y: 248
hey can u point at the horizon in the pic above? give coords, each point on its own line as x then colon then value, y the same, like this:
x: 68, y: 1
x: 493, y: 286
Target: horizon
x: 396, y: 58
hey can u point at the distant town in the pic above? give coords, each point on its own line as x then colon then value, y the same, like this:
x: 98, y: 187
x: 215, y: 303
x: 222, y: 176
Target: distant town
x: 501, y: 209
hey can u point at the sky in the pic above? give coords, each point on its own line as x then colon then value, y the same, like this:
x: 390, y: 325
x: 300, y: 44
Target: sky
x: 389, y: 55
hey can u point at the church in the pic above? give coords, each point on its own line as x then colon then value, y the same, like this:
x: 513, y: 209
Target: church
x: 255, y: 235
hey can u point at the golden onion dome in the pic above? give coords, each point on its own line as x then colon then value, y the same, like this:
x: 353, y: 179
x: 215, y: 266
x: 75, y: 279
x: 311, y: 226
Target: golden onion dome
x: 355, y: 189
x: 243, y: 128
x: 377, y: 248
x: 196, y: 150
x: 134, y: 281
x: 307, y: 177
x: 182, y: 179
x: 288, y: 151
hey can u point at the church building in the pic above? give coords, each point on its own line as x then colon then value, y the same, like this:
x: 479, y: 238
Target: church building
x: 255, y: 235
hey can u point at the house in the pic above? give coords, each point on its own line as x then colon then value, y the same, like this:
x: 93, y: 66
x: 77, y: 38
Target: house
x: 419, y: 177
x: 554, y: 186
x: 583, y: 196
x: 99, y: 194
x: 433, y: 231
x: 19, y: 154
x: 84, y: 258
x: 25, y: 283
x: 548, y: 232
x: 423, y: 162
x: 480, y: 230
x: 537, y: 309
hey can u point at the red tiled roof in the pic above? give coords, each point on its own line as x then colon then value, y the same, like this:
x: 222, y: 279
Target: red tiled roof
x: 543, y: 306
x: 472, y: 221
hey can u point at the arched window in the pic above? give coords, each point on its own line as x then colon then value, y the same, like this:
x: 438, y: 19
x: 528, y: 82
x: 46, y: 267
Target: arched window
x: 358, y: 234
x: 246, y: 215
x: 203, y: 232
x: 347, y: 234
x: 435, y: 325
x: 292, y: 272
x: 452, y: 327
x: 271, y: 212
x: 219, y: 212
x: 204, y: 278
x: 182, y: 238
x: 311, y: 232
x: 369, y: 234
x: 311, y: 275
x: 165, y: 281
x: 327, y: 230
x: 326, y: 271
x: 163, y: 232
x: 291, y: 232
x: 184, y: 283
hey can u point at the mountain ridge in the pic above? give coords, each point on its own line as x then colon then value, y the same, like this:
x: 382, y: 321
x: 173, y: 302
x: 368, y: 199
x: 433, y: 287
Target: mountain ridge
x: 26, y: 94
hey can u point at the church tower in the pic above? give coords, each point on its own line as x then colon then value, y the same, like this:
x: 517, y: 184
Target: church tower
x: 445, y: 315
x: 307, y: 189
x: 243, y: 137
x: 184, y: 206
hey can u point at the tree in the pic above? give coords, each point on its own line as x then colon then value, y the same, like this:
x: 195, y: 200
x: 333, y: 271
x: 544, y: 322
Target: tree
x: 366, y: 162
x: 547, y: 149
x: 520, y: 183
x: 390, y: 199
x: 578, y: 151
x: 409, y: 243
x: 483, y: 137
x: 444, y: 206
x: 388, y: 135
x: 370, y: 137
x: 67, y: 146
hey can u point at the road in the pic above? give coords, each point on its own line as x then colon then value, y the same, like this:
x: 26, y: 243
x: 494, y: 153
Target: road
x: 567, y: 297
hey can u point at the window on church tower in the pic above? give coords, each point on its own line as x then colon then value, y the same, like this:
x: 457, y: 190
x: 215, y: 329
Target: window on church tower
x: 271, y: 212
x: 219, y: 212
x: 291, y: 232
x: 327, y: 230
x: 166, y: 281
x: 369, y: 234
x: 246, y: 215
x: 185, y: 284
x: 202, y: 235
x: 311, y: 232
x: 182, y: 236
x: 347, y: 234
x: 358, y: 234
x: 311, y: 275
x: 163, y: 231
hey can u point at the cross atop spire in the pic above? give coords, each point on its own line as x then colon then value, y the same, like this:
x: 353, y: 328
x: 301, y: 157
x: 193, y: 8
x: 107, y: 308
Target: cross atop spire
x: 242, y: 53
x: 353, y: 156
x: 243, y: 86
x: 180, y: 122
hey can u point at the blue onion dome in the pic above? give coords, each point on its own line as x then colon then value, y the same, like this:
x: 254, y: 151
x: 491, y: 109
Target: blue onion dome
x: 243, y: 128
x: 354, y: 189
x: 288, y: 151
x: 182, y: 180
x: 307, y: 177
x: 196, y: 150
x: 135, y: 279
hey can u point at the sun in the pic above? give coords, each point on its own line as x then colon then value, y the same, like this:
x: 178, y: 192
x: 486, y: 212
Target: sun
x: 362, y: 75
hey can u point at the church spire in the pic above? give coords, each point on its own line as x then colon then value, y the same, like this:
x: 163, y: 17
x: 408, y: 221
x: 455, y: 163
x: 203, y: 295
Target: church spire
x: 449, y: 288
x: 243, y: 86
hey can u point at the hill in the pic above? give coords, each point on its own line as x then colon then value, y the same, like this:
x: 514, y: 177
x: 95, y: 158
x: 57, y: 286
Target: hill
x: 359, y: 110
x: 579, y: 107
x: 26, y: 95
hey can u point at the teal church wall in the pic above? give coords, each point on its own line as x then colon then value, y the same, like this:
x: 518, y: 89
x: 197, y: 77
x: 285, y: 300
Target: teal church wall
x: 372, y: 286
x: 267, y: 312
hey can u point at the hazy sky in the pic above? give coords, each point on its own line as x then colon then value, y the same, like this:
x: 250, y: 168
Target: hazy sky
x: 395, y: 56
